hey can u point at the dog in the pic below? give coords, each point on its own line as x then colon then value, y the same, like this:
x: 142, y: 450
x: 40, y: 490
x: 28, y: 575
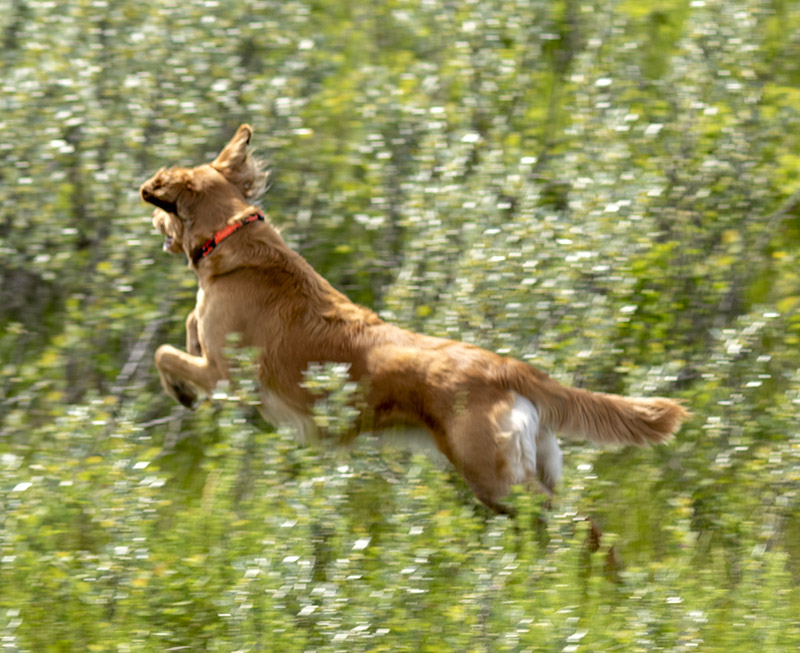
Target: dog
x: 495, y: 418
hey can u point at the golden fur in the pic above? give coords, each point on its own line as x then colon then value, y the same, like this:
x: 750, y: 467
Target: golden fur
x: 492, y: 416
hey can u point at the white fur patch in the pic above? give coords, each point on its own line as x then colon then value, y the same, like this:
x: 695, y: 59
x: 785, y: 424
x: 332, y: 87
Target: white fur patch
x: 532, y: 452
x: 520, y: 429
x: 548, y: 459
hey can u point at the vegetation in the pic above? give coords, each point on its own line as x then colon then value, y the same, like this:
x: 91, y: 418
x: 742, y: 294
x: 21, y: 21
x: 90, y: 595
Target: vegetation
x: 609, y: 190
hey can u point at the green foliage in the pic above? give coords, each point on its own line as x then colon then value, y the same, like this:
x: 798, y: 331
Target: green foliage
x: 608, y: 190
x: 334, y: 412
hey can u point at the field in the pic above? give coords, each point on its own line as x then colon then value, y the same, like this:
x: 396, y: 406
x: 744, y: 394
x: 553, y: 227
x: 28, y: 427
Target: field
x: 608, y: 190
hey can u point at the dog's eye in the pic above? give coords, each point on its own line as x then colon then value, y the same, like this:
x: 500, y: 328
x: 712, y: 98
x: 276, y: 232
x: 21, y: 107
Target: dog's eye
x: 161, y: 178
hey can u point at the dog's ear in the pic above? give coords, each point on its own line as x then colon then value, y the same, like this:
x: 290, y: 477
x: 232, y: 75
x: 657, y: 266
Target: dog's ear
x: 171, y: 227
x: 239, y: 167
x: 234, y: 155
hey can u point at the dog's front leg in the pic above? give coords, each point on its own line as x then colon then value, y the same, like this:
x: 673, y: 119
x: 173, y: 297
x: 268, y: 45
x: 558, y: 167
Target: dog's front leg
x: 182, y: 374
x: 192, y: 336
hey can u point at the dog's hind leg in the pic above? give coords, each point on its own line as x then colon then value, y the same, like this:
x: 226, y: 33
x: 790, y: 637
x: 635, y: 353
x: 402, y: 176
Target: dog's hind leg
x: 483, y: 442
x: 548, y: 459
x: 497, y: 442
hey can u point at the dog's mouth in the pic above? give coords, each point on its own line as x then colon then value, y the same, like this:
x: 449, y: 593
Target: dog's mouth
x: 168, y: 242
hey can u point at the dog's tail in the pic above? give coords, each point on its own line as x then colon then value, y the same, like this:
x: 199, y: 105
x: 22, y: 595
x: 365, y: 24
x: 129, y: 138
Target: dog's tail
x: 599, y: 417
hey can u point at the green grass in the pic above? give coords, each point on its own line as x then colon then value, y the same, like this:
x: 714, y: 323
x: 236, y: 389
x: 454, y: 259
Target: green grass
x: 261, y: 545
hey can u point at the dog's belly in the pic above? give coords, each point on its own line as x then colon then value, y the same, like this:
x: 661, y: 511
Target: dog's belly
x: 278, y: 412
x: 409, y: 438
x: 531, y: 452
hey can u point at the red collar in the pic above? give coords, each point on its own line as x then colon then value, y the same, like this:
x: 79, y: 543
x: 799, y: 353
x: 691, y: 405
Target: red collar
x: 222, y: 234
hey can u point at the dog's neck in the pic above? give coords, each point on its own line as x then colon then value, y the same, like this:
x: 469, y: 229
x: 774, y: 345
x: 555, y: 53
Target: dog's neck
x: 232, y: 227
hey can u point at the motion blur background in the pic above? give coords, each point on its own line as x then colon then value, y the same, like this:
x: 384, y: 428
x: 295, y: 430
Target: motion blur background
x: 610, y: 190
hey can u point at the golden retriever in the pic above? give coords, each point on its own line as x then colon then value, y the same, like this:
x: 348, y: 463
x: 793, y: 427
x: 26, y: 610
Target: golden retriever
x: 493, y: 417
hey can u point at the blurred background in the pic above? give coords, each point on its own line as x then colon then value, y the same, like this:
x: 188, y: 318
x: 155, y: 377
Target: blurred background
x: 609, y: 190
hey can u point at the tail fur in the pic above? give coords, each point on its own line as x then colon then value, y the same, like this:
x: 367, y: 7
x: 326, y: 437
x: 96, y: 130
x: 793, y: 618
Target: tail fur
x: 599, y: 417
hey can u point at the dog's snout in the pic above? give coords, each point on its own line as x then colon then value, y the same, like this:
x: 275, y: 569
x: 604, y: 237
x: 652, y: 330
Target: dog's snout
x: 146, y: 190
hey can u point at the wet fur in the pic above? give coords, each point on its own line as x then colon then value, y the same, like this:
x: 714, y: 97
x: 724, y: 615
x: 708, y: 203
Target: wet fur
x: 493, y: 417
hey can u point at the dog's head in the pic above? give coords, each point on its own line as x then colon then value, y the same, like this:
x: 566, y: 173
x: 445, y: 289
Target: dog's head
x: 193, y: 203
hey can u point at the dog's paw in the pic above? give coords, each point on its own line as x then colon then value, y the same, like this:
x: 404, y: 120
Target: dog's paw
x: 181, y: 391
x: 184, y: 393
